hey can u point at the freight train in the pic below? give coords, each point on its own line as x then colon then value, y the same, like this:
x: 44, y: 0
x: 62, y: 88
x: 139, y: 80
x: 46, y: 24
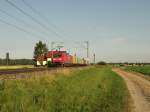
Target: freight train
x: 59, y: 58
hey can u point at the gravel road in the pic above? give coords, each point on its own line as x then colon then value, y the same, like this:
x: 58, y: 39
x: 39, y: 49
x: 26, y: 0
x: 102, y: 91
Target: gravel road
x: 139, y: 89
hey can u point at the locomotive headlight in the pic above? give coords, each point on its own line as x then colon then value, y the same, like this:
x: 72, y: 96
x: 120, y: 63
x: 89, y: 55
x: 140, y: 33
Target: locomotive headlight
x: 59, y: 59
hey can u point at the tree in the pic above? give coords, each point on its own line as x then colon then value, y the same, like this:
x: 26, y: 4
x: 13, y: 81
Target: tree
x: 102, y: 63
x: 40, y: 48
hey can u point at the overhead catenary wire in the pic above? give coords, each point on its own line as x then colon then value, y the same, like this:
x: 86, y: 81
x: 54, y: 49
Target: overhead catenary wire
x: 22, y: 21
x: 42, y: 16
x: 80, y: 45
x: 19, y: 28
x: 37, y: 12
x: 32, y: 18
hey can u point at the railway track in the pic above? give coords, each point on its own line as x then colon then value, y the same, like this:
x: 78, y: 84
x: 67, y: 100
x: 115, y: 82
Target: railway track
x: 27, y: 70
x: 23, y: 70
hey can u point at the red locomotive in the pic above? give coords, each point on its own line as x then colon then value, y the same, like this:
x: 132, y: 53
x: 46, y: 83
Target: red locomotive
x: 59, y: 57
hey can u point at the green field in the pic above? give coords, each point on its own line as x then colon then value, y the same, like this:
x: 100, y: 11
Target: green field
x: 141, y: 69
x: 94, y: 89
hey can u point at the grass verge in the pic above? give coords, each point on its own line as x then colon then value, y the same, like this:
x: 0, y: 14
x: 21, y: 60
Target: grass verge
x: 94, y: 89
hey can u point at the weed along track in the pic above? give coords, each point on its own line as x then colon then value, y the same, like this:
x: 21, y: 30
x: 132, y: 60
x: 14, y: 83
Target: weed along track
x: 10, y: 74
x: 139, y: 89
x: 25, y: 72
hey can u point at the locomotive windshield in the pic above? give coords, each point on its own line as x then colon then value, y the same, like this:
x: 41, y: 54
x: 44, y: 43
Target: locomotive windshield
x: 57, y: 55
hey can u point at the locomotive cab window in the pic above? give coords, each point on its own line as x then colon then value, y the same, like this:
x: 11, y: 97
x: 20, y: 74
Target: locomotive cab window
x: 57, y: 55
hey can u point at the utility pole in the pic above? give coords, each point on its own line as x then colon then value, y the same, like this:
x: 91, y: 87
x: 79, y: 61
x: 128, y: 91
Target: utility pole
x: 7, y: 58
x: 94, y: 58
x: 87, y: 48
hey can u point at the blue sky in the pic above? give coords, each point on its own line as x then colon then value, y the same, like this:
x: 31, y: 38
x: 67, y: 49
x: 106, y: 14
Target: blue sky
x: 118, y: 30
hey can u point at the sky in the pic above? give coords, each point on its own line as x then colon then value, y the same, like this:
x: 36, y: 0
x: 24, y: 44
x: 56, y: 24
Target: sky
x: 117, y: 30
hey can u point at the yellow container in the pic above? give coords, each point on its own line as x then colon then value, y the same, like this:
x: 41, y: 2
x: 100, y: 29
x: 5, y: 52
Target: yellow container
x: 74, y: 59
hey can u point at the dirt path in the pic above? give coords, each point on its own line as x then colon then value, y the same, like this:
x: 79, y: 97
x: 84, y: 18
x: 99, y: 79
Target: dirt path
x: 139, y: 89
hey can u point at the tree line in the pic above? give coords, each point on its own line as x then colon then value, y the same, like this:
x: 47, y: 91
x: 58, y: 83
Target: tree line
x: 17, y: 62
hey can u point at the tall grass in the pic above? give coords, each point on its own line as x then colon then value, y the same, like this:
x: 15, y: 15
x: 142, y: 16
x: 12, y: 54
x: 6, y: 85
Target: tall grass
x: 83, y: 90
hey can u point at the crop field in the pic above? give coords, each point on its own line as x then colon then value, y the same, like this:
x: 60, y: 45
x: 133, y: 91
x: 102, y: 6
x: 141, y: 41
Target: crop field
x: 91, y: 89
x: 15, y: 67
x: 141, y: 69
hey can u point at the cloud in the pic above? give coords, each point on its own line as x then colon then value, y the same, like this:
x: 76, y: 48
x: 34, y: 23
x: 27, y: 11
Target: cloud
x: 119, y: 40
